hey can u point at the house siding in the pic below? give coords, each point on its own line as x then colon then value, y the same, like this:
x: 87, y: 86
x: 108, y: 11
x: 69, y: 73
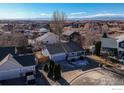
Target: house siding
x: 58, y: 57
x: 15, y: 73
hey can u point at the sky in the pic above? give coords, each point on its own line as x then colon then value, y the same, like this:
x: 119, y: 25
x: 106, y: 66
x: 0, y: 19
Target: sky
x: 72, y: 10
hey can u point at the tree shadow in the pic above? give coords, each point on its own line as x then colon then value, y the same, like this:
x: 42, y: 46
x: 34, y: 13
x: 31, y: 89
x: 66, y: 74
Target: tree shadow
x: 62, y: 81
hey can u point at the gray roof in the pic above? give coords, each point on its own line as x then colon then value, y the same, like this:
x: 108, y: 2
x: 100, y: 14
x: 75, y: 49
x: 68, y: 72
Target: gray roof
x: 63, y: 48
x: 72, y: 47
x: 26, y: 60
x: 4, y: 51
x: 68, y: 33
x: 55, y: 48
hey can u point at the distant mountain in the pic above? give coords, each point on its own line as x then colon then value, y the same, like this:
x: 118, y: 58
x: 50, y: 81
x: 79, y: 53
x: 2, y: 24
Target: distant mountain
x: 94, y: 18
x: 100, y: 18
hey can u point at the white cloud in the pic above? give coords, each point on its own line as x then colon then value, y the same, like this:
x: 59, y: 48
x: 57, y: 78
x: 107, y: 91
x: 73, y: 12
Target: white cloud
x: 45, y: 14
x: 78, y: 13
x: 105, y: 15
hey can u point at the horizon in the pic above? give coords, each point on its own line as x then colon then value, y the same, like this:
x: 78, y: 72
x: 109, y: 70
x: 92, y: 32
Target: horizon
x: 73, y: 11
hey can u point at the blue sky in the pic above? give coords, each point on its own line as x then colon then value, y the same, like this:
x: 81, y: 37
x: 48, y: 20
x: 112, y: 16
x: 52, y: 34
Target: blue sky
x: 72, y: 10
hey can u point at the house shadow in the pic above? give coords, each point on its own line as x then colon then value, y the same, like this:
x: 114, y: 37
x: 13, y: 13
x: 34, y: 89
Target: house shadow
x: 90, y: 65
x: 41, y: 80
x: 62, y: 81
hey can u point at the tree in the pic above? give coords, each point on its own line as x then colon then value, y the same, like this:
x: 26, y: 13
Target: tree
x: 50, y: 68
x: 97, y: 48
x: 58, y: 21
x: 104, y: 35
x: 94, y: 42
x: 45, y: 68
x: 57, y: 72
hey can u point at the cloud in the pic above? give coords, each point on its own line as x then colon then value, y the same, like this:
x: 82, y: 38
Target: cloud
x: 45, y: 14
x: 105, y: 15
x: 78, y: 13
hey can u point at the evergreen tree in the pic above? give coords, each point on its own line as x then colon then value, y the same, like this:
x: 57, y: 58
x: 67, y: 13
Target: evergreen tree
x: 59, y: 71
x: 97, y: 48
x: 104, y: 35
x: 45, y: 68
x: 55, y: 72
x: 50, y: 69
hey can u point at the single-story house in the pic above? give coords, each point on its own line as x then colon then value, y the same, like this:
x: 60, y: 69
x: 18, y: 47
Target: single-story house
x: 62, y: 51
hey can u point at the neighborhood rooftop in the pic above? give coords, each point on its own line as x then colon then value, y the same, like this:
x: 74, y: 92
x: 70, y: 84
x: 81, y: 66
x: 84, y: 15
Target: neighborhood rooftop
x: 63, y: 47
x: 68, y: 32
x: 26, y: 60
x: 4, y: 51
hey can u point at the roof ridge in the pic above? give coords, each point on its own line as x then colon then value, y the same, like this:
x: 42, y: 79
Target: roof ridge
x: 4, y: 59
x: 15, y: 61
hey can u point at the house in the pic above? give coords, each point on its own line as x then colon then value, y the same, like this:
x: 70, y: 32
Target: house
x: 14, y: 66
x: 43, y: 30
x: 48, y: 38
x: 72, y: 35
x: 63, y: 51
x: 28, y: 33
x: 114, y: 45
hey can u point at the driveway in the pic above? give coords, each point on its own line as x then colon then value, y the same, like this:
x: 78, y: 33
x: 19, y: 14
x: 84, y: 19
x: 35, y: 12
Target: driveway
x: 98, y: 77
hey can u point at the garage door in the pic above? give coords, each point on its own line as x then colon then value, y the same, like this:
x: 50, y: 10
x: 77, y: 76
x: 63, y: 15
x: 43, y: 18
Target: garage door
x: 58, y: 57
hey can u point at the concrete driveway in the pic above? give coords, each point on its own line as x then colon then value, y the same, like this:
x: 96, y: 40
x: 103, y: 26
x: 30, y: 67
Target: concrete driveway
x: 98, y: 77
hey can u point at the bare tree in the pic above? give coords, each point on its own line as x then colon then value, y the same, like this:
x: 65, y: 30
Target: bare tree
x: 58, y: 21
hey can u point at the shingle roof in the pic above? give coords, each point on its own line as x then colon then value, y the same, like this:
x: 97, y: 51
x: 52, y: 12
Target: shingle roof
x: 45, y: 36
x: 65, y: 47
x: 26, y: 60
x: 68, y: 32
x: 55, y: 48
x: 72, y: 47
x: 4, y: 51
